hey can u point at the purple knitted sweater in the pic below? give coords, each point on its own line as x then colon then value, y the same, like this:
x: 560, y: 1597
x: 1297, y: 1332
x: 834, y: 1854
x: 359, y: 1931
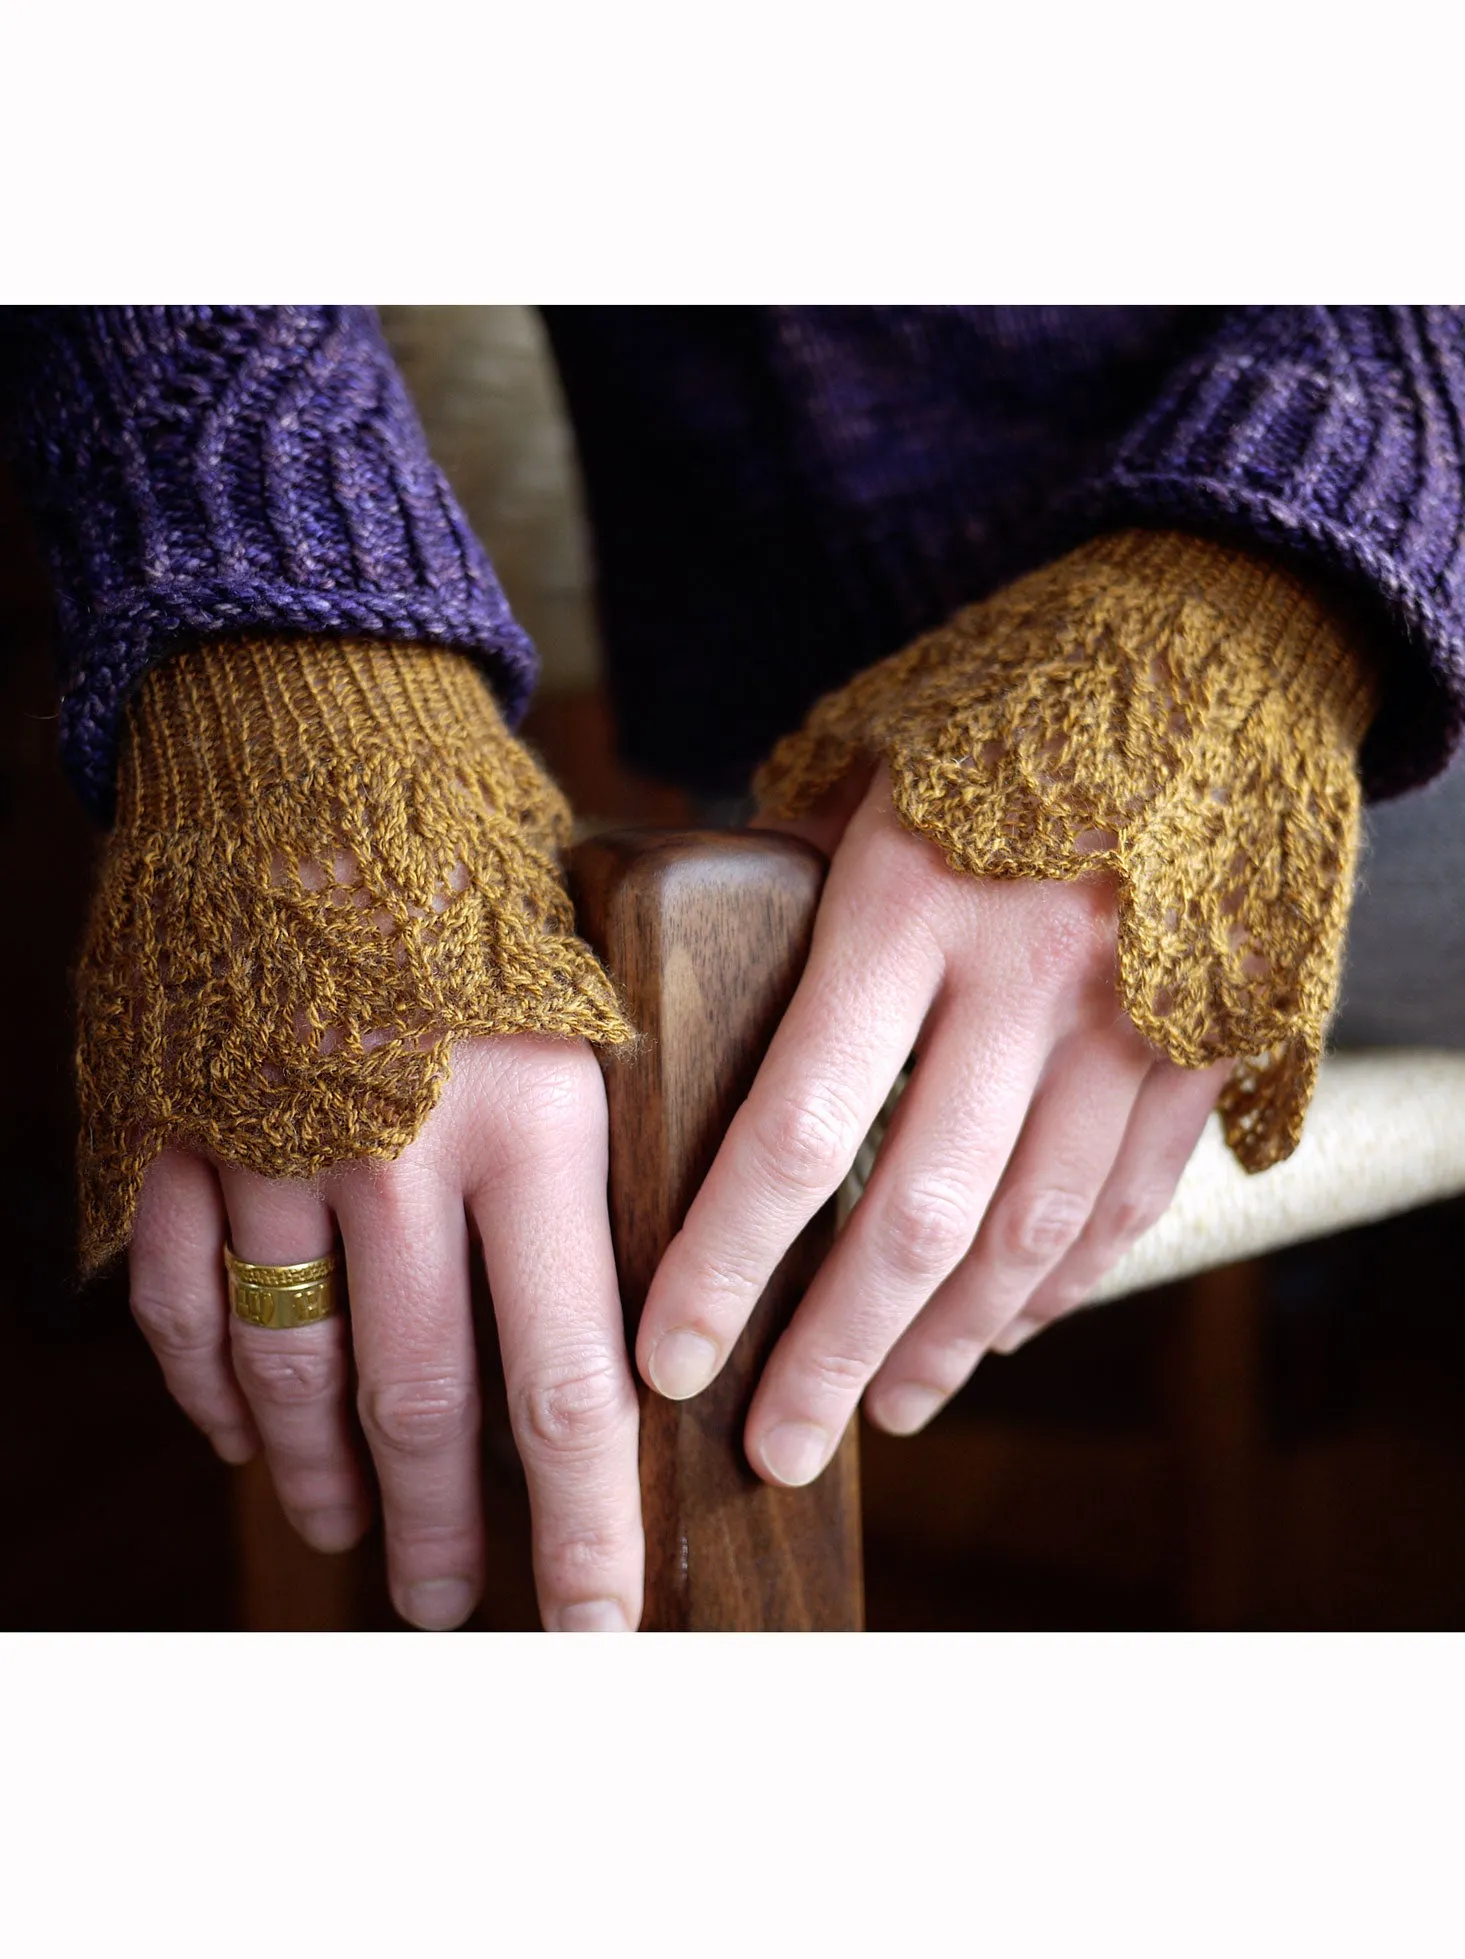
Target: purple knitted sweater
x: 210, y: 470
x: 779, y: 495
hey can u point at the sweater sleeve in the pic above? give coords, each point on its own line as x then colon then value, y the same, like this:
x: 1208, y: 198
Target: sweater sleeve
x: 1333, y: 437
x: 198, y: 472
x: 1173, y: 713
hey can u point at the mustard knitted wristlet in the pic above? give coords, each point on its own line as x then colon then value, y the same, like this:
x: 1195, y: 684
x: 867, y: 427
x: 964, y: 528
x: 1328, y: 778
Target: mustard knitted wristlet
x: 1179, y: 714
x: 331, y: 860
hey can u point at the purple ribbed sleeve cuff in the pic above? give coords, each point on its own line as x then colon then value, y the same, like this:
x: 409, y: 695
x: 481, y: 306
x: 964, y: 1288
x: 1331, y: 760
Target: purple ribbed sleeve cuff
x: 1336, y: 434
x: 213, y: 470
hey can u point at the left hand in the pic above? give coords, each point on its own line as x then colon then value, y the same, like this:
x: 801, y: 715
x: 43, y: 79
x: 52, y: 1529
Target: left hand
x: 1039, y: 1136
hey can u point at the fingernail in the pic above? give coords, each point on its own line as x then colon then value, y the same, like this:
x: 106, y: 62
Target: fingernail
x: 904, y: 1409
x: 794, y: 1452
x: 330, y: 1530
x: 681, y: 1363
x: 593, y: 1615
x: 439, y: 1604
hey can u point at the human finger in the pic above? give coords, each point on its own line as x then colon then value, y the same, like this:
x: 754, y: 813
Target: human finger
x: 407, y: 1252
x: 1047, y: 1192
x: 294, y: 1378
x: 540, y: 1206
x: 1169, y: 1115
x: 942, y: 1157
x: 873, y: 971
x: 176, y: 1276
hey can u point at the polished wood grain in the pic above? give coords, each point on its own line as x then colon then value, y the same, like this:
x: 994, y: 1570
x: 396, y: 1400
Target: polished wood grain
x: 283, y: 1585
x: 706, y: 934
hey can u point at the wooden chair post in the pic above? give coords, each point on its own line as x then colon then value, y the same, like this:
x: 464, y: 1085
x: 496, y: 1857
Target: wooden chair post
x: 706, y: 934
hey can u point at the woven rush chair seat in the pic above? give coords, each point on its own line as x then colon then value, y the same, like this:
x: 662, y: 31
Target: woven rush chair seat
x: 1386, y: 1132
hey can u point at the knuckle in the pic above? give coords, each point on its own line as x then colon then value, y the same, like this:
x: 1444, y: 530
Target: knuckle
x: 583, y: 1563
x: 415, y: 1418
x: 899, y: 862
x: 548, y: 1109
x: 1073, y: 940
x: 557, y: 1087
x: 288, y: 1375
x: 1040, y: 1223
x: 808, y: 1140
x: 573, y: 1411
x: 173, y: 1326
x: 394, y: 1191
x: 1051, y: 959
x: 841, y: 1374
x: 907, y: 891
x: 927, y: 1227
x: 1129, y: 1215
x: 728, y: 1270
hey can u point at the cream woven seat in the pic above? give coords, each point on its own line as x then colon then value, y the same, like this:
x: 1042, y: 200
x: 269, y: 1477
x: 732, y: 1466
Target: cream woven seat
x: 1386, y: 1132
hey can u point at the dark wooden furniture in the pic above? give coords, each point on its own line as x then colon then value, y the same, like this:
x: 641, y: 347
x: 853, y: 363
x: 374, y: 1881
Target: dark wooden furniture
x: 706, y: 934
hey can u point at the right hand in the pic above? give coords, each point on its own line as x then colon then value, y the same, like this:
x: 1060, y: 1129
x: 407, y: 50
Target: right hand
x: 517, y: 1150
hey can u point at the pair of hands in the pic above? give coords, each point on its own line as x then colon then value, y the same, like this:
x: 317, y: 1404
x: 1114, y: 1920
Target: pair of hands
x: 1038, y: 1137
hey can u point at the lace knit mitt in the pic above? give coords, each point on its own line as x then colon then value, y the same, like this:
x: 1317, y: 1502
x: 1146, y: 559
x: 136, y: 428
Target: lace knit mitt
x: 331, y: 860
x: 1181, y: 715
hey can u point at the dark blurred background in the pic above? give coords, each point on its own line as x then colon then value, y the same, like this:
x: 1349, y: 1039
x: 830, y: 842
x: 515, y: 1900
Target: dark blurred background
x: 1278, y: 1445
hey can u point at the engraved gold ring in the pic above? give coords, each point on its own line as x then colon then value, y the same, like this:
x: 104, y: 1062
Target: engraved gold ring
x: 284, y: 1295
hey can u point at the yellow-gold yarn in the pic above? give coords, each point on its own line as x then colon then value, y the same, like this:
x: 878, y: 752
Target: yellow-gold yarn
x: 1181, y: 715
x: 331, y: 860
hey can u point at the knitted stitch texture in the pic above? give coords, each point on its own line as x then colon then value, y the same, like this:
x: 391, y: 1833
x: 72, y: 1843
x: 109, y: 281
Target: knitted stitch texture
x: 1180, y: 715
x: 331, y: 861
x: 196, y: 471
x: 1335, y: 434
x: 783, y: 495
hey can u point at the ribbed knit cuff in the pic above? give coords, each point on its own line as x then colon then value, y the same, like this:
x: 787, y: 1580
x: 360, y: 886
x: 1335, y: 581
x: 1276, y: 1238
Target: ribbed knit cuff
x: 197, y: 471
x: 220, y: 726
x: 331, y: 861
x: 1335, y: 435
x: 1180, y: 715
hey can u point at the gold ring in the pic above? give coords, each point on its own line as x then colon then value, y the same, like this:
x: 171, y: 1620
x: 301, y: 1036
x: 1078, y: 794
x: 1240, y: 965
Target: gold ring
x: 284, y: 1295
